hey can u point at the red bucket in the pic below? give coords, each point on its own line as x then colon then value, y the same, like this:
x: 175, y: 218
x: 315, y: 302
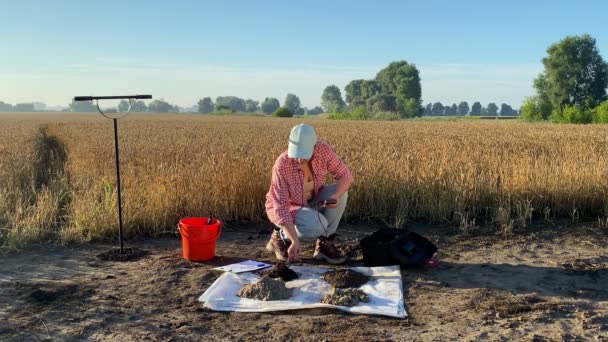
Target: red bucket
x: 199, y: 238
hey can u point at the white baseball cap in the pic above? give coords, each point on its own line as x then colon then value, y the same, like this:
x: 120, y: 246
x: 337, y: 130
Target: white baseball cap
x: 302, y: 140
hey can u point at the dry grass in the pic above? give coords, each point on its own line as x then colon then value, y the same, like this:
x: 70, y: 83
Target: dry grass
x: 187, y: 165
x: 32, y: 188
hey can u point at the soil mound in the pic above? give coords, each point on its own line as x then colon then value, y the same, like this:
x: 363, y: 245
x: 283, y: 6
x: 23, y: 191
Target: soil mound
x: 345, y: 278
x: 280, y: 270
x: 345, y: 297
x: 128, y: 254
x: 266, y: 289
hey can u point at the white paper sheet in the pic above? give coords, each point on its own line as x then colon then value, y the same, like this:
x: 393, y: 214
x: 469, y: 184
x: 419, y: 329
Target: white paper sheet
x: 244, y: 266
x: 385, y: 292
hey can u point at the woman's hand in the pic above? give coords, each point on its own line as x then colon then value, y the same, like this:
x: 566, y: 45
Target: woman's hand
x: 293, y: 252
x: 334, y: 205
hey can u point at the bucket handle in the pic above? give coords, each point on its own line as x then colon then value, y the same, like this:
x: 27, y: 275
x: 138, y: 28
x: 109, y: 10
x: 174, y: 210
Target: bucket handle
x: 219, y: 231
x: 220, y: 228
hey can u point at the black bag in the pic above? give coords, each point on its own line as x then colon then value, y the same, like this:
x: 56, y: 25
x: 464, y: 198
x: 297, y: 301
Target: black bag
x: 376, y: 247
x: 396, y: 247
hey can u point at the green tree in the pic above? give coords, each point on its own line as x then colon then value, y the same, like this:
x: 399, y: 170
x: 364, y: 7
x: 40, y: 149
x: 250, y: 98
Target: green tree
x: 358, y: 91
x: 449, y: 110
x: 476, y: 109
x: 381, y: 103
x: 82, y: 106
x: 428, y: 109
x: 136, y: 106
x: 269, y: 105
x: 438, y: 108
x: 251, y: 106
x: 123, y: 106
x: 601, y: 113
x: 454, y: 109
x: 463, y: 108
x: 369, y: 88
x: 492, y: 109
x: 292, y: 102
x: 224, y: 108
x: 139, y: 107
x: 282, y: 112
x: 542, y: 95
x: 574, y: 114
x: 5, y: 107
x: 530, y: 110
x: 505, y: 110
x: 315, y: 111
x: 331, y: 99
x: 352, y: 93
x: 23, y: 107
x: 401, y: 80
x: 359, y: 113
x: 412, y: 109
x: 161, y: 106
x: 575, y: 74
x: 205, y: 105
x: 235, y: 103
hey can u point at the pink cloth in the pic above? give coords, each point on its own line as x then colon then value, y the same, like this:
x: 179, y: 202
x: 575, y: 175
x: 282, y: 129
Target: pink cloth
x: 286, y: 194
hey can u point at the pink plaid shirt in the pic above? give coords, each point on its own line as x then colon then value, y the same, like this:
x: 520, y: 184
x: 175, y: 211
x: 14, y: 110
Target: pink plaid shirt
x: 286, y: 194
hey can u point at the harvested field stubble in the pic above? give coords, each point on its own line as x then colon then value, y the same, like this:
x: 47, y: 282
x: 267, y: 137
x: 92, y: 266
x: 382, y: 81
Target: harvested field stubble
x: 184, y: 165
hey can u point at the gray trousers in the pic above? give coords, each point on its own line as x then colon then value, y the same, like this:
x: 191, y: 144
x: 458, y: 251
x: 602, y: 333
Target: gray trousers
x: 315, y: 220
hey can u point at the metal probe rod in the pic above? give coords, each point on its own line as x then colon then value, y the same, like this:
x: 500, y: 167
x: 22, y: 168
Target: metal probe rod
x: 116, y: 155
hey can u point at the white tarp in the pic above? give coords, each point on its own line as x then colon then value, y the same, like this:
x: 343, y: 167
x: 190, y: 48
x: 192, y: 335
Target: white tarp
x: 384, y: 290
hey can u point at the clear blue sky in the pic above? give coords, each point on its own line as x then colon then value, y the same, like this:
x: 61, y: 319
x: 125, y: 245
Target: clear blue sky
x: 185, y: 50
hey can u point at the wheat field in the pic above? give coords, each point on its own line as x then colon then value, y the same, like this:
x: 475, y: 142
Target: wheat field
x: 57, y: 178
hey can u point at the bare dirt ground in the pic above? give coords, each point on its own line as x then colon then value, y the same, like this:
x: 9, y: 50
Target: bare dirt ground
x: 543, y: 285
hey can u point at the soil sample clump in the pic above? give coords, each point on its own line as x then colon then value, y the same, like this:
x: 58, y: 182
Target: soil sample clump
x: 280, y: 270
x: 345, y: 278
x: 345, y: 297
x: 128, y: 254
x: 266, y: 289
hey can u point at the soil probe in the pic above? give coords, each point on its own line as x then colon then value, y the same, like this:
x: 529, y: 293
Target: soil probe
x: 115, y: 118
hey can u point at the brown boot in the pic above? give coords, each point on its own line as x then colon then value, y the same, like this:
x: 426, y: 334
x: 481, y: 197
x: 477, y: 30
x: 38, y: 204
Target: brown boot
x: 326, y: 250
x: 278, y: 246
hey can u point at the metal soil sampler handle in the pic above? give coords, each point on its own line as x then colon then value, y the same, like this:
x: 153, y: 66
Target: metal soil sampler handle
x: 115, y: 119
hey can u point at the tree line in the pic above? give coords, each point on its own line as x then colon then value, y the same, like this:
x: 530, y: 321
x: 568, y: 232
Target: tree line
x: 395, y: 93
x: 156, y: 106
x: 270, y: 105
x: 462, y: 109
x: 19, y: 107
